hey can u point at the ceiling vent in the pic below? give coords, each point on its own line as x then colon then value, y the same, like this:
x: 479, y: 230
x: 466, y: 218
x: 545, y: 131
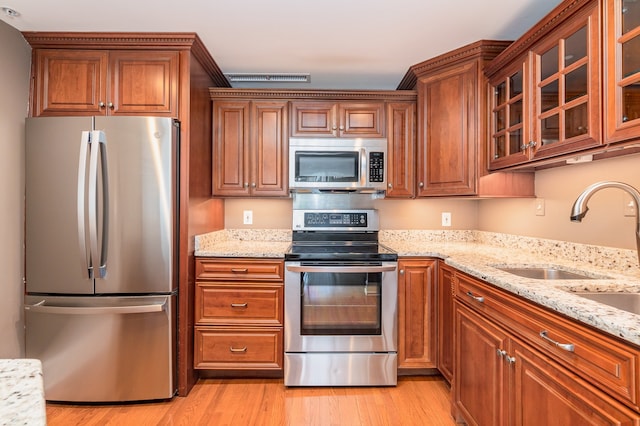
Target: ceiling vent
x: 268, y: 77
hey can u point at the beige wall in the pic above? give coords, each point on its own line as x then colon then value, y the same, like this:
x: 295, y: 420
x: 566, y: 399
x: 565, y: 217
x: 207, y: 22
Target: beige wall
x: 394, y: 214
x: 15, y: 56
x: 605, y: 223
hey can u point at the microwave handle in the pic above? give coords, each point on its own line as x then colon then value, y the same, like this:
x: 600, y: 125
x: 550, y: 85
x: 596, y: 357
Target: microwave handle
x: 364, y: 173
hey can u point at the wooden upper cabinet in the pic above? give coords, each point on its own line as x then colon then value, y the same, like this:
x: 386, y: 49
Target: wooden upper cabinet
x: 105, y: 82
x: 448, y: 112
x: 143, y: 83
x: 337, y: 119
x: 401, y: 148
x: 622, y: 70
x: 250, y: 148
x: 70, y: 82
x: 545, y: 90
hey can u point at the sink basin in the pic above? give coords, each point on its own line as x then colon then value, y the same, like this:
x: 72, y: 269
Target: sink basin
x: 629, y: 302
x: 544, y: 273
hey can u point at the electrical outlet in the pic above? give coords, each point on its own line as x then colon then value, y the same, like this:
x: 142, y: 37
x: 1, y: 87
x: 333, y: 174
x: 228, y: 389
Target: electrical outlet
x: 629, y: 206
x: 446, y: 219
x: 539, y: 206
x: 247, y: 217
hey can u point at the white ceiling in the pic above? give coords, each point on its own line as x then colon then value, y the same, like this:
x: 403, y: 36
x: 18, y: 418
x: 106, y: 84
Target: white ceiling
x: 343, y: 44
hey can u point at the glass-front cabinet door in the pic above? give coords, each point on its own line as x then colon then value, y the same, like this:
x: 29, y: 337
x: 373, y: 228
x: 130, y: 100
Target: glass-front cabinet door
x: 566, y: 75
x: 622, y: 70
x: 508, y: 140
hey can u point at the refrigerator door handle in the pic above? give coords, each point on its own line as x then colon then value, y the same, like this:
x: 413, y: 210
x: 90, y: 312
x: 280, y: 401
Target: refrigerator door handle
x: 42, y: 307
x: 82, y: 191
x: 98, y: 142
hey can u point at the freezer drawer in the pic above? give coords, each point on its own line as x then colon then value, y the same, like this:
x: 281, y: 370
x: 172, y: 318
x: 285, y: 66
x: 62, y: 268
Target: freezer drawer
x: 103, y: 349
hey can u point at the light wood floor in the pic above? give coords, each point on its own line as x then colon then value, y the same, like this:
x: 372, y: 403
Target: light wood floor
x: 415, y: 401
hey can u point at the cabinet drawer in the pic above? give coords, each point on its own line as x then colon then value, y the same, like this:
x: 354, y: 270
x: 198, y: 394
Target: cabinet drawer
x: 239, y: 269
x: 219, y: 303
x: 238, y: 348
x: 594, y: 356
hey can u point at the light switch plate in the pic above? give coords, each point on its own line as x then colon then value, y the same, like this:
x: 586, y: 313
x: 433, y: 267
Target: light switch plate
x: 247, y: 217
x: 446, y: 219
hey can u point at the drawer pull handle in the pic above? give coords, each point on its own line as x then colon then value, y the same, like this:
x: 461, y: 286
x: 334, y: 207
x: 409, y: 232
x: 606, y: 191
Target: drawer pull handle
x: 478, y: 299
x: 239, y: 270
x: 237, y: 350
x: 569, y: 347
x: 239, y: 305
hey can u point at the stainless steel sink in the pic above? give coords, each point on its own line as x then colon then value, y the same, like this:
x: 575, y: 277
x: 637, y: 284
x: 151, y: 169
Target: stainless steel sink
x: 629, y: 302
x: 544, y: 273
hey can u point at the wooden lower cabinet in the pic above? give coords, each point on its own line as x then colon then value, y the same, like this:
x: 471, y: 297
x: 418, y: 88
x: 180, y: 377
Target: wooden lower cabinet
x: 444, y: 312
x: 239, y: 314
x: 501, y: 377
x: 416, y: 314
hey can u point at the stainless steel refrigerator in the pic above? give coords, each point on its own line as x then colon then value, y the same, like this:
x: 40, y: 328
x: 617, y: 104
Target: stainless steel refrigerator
x: 101, y: 250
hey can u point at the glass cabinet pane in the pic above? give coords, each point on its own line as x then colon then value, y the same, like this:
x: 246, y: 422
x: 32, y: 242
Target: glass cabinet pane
x: 631, y: 57
x: 515, y: 141
x: 549, y: 94
x: 576, y: 121
x: 630, y: 15
x: 575, y: 47
x: 550, y: 130
x: 631, y: 102
x: 549, y: 63
x: 499, y: 148
x: 575, y: 84
x: 501, y: 93
x: 515, y: 84
x: 515, y: 113
x: 500, y: 119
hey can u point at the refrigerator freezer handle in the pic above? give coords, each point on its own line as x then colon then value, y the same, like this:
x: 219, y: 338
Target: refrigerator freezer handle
x: 82, y: 191
x: 42, y: 307
x: 98, y: 142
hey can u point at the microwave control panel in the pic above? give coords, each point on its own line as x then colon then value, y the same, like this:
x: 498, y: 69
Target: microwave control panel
x: 376, y: 167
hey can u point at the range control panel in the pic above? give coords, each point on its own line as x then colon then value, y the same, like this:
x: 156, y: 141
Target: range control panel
x: 339, y: 219
x: 335, y: 220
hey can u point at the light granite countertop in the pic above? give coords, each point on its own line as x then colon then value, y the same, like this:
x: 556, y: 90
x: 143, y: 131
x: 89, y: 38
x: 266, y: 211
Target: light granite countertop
x: 22, y: 392
x: 478, y: 253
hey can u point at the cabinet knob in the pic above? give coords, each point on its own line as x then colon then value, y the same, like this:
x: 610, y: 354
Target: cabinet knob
x: 246, y: 184
x: 334, y: 127
x: 401, y: 271
x: 341, y: 127
x: 253, y: 184
x: 421, y: 184
x: 101, y: 104
x: 110, y: 105
x: 390, y: 186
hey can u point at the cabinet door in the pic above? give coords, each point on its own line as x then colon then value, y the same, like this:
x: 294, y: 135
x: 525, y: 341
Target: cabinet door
x: 361, y: 120
x: 401, y: 137
x: 230, y: 148
x: 144, y: 83
x: 622, y: 70
x: 70, y: 82
x: 416, y: 313
x: 444, y: 312
x: 509, y: 123
x: 318, y: 119
x: 566, y: 78
x: 269, y: 142
x: 547, y: 394
x: 447, y: 127
x: 480, y: 377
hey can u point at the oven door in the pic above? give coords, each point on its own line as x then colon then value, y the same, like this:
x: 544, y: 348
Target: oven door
x: 341, y: 307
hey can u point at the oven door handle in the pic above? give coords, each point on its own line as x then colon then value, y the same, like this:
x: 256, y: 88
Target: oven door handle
x: 347, y: 269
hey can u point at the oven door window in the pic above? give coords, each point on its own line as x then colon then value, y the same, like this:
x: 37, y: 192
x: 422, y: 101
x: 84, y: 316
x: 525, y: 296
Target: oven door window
x: 340, y: 303
x: 323, y: 166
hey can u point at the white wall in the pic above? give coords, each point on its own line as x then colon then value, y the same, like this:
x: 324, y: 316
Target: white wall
x: 15, y: 58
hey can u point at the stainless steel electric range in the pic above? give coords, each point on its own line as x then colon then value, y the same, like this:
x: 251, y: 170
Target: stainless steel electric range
x: 340, y: 301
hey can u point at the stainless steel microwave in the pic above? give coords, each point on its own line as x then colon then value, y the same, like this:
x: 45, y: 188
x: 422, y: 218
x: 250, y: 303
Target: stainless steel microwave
x: 353, y: 164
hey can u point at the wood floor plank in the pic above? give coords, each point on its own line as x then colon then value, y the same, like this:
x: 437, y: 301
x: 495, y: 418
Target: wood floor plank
x: 419, y: 400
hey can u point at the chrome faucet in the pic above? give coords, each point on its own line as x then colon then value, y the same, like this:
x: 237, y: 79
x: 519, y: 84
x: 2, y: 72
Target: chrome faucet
x: 579, y: 209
